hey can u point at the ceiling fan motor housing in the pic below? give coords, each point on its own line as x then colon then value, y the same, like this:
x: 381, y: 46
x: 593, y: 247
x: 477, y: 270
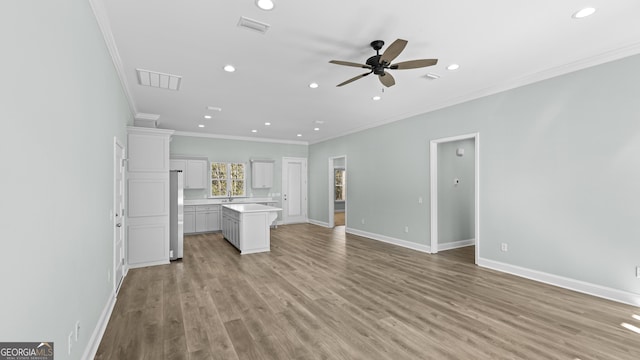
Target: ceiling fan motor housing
x: 376, y: 67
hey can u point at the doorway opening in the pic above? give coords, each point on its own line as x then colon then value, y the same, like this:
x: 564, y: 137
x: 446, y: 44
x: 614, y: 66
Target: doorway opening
x: 454, y: 165
x: 338, y: 191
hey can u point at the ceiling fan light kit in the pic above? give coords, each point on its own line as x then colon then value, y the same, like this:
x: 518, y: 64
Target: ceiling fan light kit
x: 379, y: 63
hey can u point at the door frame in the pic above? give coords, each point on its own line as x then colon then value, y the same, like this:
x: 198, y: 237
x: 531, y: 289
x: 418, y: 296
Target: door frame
x: 434, y: 188
x: 117, y: 146
x: 303, y: 191
x: 331, y: 206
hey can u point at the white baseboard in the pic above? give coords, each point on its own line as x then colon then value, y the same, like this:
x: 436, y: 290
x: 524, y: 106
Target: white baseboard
x: 151, y: 263
x: 456, y: 244
x: 563, y: 282
x: 390, y: 240
x: 319, y: 223
x: 96, y: 337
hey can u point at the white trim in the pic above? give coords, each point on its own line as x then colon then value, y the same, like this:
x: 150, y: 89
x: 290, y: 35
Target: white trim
x: 597, y: 59
x: 98, y: 332
x: 456, y: 244
x: 433, y: 177
x: 145, y: 116
x: 116, y: 144
x: 319, y: 223
x: 390, y: 240
x: 563, y: 282
x: 241, y: 138
x: 102, y: 19
x: 150, y: 263
x: 147, y: 131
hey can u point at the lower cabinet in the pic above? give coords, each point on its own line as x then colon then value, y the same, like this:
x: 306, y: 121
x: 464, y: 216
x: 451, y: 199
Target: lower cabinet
x: 201, y: 218
x: 189, y: 219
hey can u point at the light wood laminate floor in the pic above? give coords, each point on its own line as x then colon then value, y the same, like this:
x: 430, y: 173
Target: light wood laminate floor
x: 321, y: 294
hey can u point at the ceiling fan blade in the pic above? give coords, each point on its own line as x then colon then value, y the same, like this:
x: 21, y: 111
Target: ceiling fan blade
x: 353, y: 79
x: 414, y: 64
x: 387, y: 80
x: 393, y: 51
x: 348, y: 63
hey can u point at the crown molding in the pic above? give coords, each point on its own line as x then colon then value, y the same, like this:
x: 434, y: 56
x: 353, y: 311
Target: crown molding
x: 240, y: 138
x: 102, y: 19
x: 594, y: 60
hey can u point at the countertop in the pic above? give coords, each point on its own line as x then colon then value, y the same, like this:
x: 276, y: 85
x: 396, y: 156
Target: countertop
x: 249, y: 208
x: 226, y: 201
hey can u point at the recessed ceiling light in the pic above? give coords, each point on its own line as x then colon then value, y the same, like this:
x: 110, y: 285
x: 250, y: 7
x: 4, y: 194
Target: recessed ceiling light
x: 583, y: 13
x: 265, y: 4
x: 376, y: 98
x: 229, y: 68
x: 267, y: 124
x: 316, y: 129
x: 207, y: 116
x: 313, y: 85
x: 453, y: 67
x: 200, y: 126
x: 431, y: 76
x: 299, y: 135
x: 254, y: 131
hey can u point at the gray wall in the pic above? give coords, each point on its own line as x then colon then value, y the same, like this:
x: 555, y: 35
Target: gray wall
x: 237, y: 151
x: 62, y: 104
x: 456, y: 202
x: 558, y: 174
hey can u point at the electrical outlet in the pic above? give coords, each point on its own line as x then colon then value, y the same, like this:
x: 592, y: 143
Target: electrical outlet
x: 504, y: 247
x: 69, y: 342
x: 77, y: 329
x: 420, y: 200
x: 406, y: 229
x: 108, y: 275
x: 638, y: 272
x: 362, y: 221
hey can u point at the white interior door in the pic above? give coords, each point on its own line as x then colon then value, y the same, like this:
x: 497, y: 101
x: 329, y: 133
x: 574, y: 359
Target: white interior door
x: 294, y: 190
x: 119, y: 215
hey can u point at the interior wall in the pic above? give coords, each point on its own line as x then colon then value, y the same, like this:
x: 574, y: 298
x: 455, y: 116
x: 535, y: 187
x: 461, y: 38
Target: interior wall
x: 238, y: 151
x: 557, y: 174
x: 456, y: 202
x: 62, y: 105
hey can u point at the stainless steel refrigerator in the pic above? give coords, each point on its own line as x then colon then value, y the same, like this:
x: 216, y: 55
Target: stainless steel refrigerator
x: 176, y: 214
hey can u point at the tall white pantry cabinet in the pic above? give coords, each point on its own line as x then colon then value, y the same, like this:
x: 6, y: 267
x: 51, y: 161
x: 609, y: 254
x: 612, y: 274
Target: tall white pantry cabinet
x: 147, y: 196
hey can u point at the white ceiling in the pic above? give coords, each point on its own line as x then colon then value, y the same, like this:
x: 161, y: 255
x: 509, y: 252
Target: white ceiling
x: 499, y: 44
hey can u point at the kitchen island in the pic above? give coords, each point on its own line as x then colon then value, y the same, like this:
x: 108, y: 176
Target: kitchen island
x: 248, y: 226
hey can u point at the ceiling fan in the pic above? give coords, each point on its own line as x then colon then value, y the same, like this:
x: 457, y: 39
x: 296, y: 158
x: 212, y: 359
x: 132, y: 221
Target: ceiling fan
x: 377, y: 64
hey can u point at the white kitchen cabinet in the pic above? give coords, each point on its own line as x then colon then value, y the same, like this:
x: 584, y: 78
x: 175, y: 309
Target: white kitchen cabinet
x: 189, y: 219
x: 248, y: 226
x: 195, y: 171
x: 147, y: 196
x: 261, y: 174
x: 204, y: 218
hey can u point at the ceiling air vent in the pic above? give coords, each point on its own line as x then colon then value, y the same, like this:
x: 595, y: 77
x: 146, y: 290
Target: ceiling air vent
x: 254, y: 25
x: 158, y: 79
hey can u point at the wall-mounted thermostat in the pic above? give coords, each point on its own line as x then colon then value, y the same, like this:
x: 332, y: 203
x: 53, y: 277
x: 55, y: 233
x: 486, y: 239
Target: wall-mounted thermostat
x: 460, y: 151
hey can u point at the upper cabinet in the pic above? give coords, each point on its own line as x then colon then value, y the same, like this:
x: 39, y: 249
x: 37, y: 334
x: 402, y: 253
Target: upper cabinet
x: 261, y: 173
x: 195, y: 171
x: 148, y: 150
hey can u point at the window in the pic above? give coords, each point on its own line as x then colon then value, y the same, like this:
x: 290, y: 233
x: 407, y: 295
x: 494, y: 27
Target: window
x: 227, y: 179
x: 340, y: 184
